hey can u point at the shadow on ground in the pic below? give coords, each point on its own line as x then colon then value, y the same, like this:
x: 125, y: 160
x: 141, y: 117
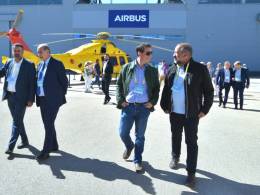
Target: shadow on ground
x: 210, y: 183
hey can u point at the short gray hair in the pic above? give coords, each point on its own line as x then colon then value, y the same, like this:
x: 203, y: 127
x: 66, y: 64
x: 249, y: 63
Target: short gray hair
x: 185, y: 47
x: 44, y: 46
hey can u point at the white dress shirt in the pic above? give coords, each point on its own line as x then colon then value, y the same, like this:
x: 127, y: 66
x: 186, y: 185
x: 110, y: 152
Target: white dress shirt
x: 13, y: 75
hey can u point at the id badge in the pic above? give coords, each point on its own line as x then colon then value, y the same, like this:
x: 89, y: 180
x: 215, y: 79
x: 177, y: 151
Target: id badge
x: 139, y: 90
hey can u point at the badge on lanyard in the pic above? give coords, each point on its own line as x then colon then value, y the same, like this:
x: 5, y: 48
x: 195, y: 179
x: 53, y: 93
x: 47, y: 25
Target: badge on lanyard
x: 139, y: 88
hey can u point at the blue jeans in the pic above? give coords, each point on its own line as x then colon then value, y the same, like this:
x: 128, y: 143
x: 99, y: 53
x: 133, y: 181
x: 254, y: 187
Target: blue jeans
x: 137, y: 114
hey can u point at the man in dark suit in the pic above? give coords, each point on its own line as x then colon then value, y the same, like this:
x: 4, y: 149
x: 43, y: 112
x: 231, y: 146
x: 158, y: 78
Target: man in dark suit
x: 240, y: 82
x: 187, y: 97
x: 19, y: 91
x: 52, y: 84
x: 224, y: 81
x: 107, y: 71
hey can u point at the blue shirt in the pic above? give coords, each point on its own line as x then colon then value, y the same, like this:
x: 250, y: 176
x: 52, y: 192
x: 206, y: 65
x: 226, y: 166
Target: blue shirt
x: 13, y: 75
x: 227, y: 75
x: 138, y: 87
x: 40, y: 81
x: 238, y: 75
x: 178, y: 91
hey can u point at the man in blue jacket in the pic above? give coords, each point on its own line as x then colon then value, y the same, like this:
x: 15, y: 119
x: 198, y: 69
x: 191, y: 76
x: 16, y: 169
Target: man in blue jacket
x: 52, y: 84
x: 19, y: 91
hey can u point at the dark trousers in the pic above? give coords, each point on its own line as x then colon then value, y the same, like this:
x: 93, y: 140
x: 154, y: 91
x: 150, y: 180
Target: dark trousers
x: 227, y: 89
x: 17, y: 110
x: 106, y: 80
x: 190, y: 125
x: 239, y: 89
x: 97, y: 81
x: 49, y: 114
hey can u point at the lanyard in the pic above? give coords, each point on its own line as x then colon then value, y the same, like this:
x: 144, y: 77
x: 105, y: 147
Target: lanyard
x: 187, y: 68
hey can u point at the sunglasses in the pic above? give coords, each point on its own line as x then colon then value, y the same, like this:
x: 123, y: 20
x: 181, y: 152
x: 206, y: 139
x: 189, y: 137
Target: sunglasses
x: 148, y: 53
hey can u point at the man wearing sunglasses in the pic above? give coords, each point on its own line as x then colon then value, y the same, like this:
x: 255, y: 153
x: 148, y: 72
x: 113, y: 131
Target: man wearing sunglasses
x: 137, y: 93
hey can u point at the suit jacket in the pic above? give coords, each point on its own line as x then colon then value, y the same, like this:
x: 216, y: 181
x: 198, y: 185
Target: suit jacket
x: 244, y: 77
x: 220, y: 79
x: 55, y: 84
x: 109, y: 68
x: 25, y: 84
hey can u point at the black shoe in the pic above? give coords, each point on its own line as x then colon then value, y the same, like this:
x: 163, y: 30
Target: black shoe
x: 174, y: 163
x: 22, y: 145
x: 105, y: 102
x: 8, y: 151
x: 127, y: 153
x: 191, y: 181
x: 42, y: 156
x: 55, y: 150
x: 241, y: 108
x: 224, y: 105
x: 108, y: 99
x: 219, y: 104
x: 236, y: 107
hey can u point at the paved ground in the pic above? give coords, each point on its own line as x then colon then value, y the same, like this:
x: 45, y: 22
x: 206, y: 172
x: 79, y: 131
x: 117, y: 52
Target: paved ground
x: 90, y: 158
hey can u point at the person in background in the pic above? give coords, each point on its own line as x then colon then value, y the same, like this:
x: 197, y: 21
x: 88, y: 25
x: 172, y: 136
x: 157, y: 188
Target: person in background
x: 187, y: 97
x: 137, y: 93
x: 107, y: 71
x: 19, y: 91
x: 210, y: 69
x: 216, y: 87
x: 97, y: 73
x: 88, y: 71
x: 224, y: 81
x: 240, y: 82
x: 162, y: 70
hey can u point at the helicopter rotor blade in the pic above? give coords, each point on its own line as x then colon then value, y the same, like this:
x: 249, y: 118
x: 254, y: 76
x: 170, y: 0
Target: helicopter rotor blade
x: 69, y: 34
x: 65, y: 40
x: 18, y: 19
x: 3, y: 34
x: 154, y: 46
x: 137, y: 37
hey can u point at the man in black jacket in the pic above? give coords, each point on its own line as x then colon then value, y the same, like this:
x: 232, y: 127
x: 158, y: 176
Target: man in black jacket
x: 187, y: 96
x: 19, y: 91
x: 240, y: 82
x: 224, y: 81
x: 107, y: 71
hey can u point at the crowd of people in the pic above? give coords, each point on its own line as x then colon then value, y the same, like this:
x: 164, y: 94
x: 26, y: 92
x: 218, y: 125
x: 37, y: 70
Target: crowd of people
x: 187, y: 96
x: 227, y: 77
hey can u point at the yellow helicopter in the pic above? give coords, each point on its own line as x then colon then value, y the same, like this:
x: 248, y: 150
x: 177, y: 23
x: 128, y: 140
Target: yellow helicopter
x: 75, y: 59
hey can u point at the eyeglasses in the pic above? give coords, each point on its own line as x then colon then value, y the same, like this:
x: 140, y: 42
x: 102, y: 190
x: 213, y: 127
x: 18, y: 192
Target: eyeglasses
x: 148, y: 53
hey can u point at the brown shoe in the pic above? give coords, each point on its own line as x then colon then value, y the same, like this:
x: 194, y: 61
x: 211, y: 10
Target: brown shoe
x: 127, y: 153
x: 191, y: 181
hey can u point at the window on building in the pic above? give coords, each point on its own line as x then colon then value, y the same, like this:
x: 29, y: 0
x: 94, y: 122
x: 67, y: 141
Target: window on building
x: 30, y: 2
x: 219, y: 1
x: 127, y: 1
x: 252, y: 1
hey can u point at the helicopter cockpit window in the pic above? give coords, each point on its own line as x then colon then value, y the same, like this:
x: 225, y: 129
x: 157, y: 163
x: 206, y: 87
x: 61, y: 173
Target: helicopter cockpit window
x: 113, y: 60
x: 122, y: 60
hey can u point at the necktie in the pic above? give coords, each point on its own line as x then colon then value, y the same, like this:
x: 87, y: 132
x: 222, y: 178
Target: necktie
x: 40, y: 77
